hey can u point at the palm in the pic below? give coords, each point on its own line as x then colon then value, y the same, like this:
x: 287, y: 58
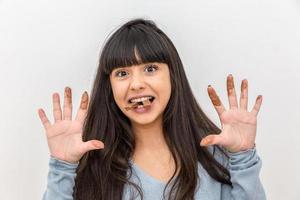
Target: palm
x: 238, y: 125
x: 64, y: 137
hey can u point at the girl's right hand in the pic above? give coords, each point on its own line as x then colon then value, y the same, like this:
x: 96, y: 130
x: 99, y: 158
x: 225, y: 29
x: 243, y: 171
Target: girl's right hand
x: 64, y: 137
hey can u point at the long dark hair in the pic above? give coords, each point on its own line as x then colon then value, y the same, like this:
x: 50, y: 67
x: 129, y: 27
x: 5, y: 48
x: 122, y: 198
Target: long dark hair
x: 102, y: 174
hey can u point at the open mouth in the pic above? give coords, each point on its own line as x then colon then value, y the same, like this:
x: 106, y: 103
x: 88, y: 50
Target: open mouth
x: 140, y: 104
x: 151, y: 98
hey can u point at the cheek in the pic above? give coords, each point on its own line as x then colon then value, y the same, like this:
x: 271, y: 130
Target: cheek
x: 118, y: 92
x: 167, y: 91
x: 164, y: 88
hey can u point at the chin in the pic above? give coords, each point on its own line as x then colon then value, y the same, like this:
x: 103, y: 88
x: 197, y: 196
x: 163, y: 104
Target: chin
x: 144, y: 120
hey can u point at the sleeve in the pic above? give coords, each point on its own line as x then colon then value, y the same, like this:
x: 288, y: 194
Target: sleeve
x: 61, y: 180
x: 244, y: 167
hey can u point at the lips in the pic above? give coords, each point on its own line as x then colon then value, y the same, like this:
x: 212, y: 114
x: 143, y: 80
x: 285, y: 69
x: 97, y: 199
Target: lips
x: 136, y: 97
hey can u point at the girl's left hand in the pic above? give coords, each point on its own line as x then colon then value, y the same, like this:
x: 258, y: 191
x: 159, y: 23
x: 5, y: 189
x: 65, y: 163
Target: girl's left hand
x: 238, y: 125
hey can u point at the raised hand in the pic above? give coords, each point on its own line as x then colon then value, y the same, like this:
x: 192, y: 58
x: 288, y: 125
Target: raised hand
x: 238, y: 125
x: 64, y: 137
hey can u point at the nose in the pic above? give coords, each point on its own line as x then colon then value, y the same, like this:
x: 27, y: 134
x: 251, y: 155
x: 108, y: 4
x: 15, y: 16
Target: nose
x: 137, y: 83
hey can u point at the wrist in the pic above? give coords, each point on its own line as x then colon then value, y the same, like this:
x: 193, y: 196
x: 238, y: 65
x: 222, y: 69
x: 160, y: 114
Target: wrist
x: 236, y: 150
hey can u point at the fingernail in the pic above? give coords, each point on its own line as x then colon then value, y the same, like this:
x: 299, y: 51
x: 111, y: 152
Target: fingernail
x: 244, y: 84
x: 206, y: 141
x: 84, y: 96
x: 97, y: 144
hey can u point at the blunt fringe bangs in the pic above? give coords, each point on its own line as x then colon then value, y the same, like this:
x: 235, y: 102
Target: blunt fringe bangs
x: 135, y: 43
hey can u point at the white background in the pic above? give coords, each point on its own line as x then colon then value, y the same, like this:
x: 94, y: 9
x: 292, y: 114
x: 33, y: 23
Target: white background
x: 47, y: 45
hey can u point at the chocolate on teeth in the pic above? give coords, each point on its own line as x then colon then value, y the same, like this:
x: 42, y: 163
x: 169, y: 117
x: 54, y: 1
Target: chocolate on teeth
x: 136, y: 104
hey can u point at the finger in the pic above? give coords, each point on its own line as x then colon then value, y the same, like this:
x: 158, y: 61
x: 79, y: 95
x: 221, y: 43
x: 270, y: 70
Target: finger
x: 56, y: 107
x: 67, y: 104
x: 215, y: 100
x: 81, y: 114
x: 257, y: 105
x: 212, y: 140
x: 91, y: 145
x: 231, y: 92
x: 44, y: 119
x: 244, y: 95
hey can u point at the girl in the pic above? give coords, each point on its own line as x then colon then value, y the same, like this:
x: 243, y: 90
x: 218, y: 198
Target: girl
x: 142, y: 134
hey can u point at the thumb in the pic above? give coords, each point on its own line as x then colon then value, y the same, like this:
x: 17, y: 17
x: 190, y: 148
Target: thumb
x: 92, y: 145
x: 211, y: 140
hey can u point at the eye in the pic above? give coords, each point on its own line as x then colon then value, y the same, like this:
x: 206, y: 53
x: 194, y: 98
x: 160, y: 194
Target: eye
x: 152, y: 68
x: 120, y: 73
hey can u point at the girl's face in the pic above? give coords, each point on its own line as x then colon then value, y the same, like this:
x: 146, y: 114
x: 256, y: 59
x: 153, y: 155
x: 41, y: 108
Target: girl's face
x: 149, y: 79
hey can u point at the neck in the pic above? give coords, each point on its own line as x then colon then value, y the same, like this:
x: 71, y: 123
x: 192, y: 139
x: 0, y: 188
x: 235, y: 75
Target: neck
x: 149, y: 138
x: 151, y: 145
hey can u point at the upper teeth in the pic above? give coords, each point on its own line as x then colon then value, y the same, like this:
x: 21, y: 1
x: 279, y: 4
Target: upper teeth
x: 140, y: 99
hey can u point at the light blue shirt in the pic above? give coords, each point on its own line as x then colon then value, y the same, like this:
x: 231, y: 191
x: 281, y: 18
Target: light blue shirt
x: 244, y: 168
